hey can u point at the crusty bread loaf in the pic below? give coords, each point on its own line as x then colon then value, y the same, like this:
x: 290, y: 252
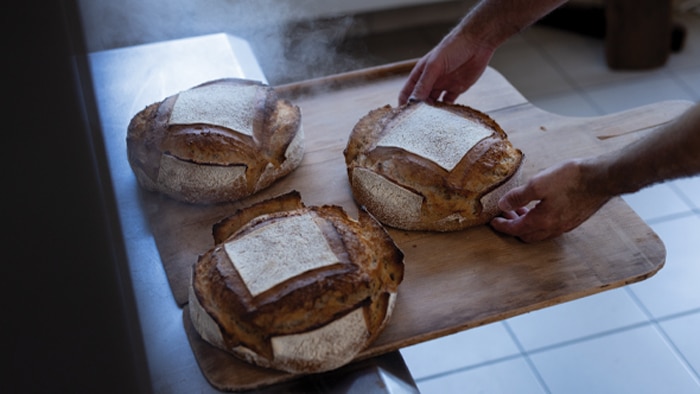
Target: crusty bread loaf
x: 433, y: 167
x: 219, y: 141
x: 294, y: 288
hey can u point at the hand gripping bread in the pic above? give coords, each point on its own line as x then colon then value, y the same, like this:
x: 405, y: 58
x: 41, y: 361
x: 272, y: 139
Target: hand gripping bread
x: 299, y: 289
x: 219, y: 141
x: 433, y: 167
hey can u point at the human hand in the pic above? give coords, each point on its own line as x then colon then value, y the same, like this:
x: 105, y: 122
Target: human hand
x: 564, y: 197
x: 450, y: 68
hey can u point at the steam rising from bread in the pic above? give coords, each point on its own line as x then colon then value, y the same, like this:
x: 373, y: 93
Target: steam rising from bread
x: 287, y: 44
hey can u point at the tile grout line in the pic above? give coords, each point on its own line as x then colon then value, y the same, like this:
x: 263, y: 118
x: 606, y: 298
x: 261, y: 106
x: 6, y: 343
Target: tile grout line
x: 670, y: 217
x: 655, y: 323
x: 582, y: 91
x: 682, y: 84
x: 683, y: 196
x: 678, y: 315
x: 526, y: 356
x: 562, y: 73
x: 521, y: 354
x: 590, y: 337
x: 468, y: 368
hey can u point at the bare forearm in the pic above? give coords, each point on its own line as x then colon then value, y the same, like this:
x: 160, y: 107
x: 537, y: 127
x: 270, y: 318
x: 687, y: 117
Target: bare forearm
x: 567, y: 194
x: 670, y: 152
x: 494, y: 21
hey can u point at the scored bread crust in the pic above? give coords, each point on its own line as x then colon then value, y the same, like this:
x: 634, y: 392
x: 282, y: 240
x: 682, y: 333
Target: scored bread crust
x: 209, y: 163
x: 313, y: 321
x: 406, y: 190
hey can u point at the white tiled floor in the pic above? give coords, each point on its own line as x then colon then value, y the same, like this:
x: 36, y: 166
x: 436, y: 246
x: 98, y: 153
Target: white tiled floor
x: 639, y: 339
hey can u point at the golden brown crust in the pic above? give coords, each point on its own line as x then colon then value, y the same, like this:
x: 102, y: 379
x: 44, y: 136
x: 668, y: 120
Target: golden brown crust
x: 449, y: 199
x: 273, y: 151
x: 369, y: 268
x: 229, y: 225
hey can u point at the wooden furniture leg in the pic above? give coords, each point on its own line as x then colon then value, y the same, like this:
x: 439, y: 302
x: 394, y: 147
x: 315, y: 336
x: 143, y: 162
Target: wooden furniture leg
x: 638, y: 33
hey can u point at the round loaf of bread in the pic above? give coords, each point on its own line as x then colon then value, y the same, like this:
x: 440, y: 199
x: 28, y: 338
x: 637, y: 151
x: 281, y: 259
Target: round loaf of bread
x: 294, y: 288
x: 220, y: 141
x: 432, y: 167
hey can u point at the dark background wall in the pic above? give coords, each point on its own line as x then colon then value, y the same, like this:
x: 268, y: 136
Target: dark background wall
x: 68, y: 322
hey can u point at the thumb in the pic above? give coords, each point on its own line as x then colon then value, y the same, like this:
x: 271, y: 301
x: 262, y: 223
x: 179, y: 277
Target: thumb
x: 517, y: 198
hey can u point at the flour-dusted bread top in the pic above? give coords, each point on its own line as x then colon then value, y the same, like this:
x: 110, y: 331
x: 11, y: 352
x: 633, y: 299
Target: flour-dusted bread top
x: 220, y: 141
x: 434, y: 167
x: 295, y: 288
x: 445, y: 145
x: 279, y: 252
x: 212, y: 103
